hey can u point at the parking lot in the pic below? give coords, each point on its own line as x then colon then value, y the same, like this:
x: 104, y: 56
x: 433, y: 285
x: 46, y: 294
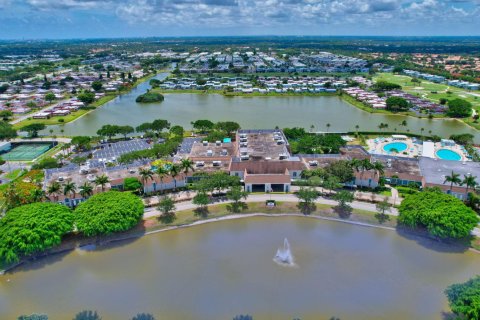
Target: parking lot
x: 111, y: 151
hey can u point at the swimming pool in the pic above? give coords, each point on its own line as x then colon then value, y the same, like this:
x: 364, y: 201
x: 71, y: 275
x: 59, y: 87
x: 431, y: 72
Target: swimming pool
x: 398, y: 146
x: 447, y: 154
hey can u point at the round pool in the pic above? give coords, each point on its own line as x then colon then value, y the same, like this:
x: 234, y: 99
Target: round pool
x: 447, y: 154
x: 398, y: 146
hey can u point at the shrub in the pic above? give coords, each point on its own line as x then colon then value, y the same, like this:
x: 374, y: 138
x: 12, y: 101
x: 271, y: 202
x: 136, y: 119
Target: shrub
x: 108, y: 212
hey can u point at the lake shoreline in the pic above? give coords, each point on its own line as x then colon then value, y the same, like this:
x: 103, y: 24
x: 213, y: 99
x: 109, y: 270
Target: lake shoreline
x: 133, y: 234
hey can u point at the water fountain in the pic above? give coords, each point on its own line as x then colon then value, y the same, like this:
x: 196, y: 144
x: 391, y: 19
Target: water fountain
x: 284, y: 255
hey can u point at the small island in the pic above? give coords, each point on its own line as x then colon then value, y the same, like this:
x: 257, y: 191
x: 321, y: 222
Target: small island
x: 149, y: 97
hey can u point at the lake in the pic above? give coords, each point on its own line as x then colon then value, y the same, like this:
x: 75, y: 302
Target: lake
x: 253, y: 113
x: 223, y: 269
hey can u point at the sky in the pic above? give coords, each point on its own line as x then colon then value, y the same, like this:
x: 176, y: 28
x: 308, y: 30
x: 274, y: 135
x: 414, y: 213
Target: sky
x: 68, y: 19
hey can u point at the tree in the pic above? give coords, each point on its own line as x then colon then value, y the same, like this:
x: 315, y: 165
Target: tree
x: 162, y: 172
x: 464, y: 299
x: 54, y: 189
x: 70, y: 188
x: 143, y: 316
x: 344, y: 197
x: 201, y: 200
x: 227, y: 127
x: 463, y: 138
x: 331, y: 183
x: 6, y: 115
x: 46, y: 163
x: 236, y: 194
x: 33, y: 228
x: 469, y: 181
x: 442, y: 215
x: 32, y: 129
x: 144, y: 127
x: 177, y: 131
x: 86, y: 190
x: 382, y: 208
x: 159, y: 125
x: 145, y: 175
x: 131, y: 184
x: 340, y: 169
x: 186, y: 165
x: 454, y: 178
x: 102, y: 181
x: 7, y: 131
x: 203, y: 125
x: 307, y: 198
x: 125, y: 131
x: 397, y: 104
x: 87, y: 315
x: 167, y: 208
x: 459, y: 108
x: 86, y: 97
x: 381, y: 86
x: 108, y: 212
x: 97, y: 85
x: 81, y: 142
x: 50, y: 97
x: 34, y: 316
x: 174, y: 171
x: 109, y: 131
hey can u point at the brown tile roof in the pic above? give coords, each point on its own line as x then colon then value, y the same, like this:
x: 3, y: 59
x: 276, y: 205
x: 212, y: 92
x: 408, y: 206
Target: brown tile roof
x: 267, y: 178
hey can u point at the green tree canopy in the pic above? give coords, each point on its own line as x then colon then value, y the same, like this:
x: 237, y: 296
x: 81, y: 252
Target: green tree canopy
x: 464, y: 299
x: 227, y: 127
x: 97, y: 85
x: 86, y: 97
x: 203, y: 125
x: 132, y: 184
x: 459, y: 108
x: 32, y: 129
x: 397, y: 104
x: 443, y: 215
x: 385, y: 86
x: 108, y: 212
x: 33, y: 228
x: 7, y: 131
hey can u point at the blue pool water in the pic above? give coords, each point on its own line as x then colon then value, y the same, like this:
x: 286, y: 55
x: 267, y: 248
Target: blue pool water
x: 447, y: 154
x: 399, y: 146
x: 227, y: 140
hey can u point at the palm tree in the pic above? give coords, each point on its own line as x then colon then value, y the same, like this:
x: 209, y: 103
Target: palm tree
x: 328, y: 126
x: 421, y: 130
x: 70, y: 188
x: 145, y: 175
x: 454, y: 178
x: 102, y: 181
x: 469, y: 181
x: 312, y: 127
x: 379, y: 168
x: 174, y: 172
x: 54, y: 189
x: 186, y: 165
x: 356, y: 128
x: 86, y: 190
x: 161, y: 173
x: 38, y: 195
x: 365, y: 166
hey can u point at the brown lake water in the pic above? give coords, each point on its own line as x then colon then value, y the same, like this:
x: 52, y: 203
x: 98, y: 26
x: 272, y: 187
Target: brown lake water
x: 223, y: 269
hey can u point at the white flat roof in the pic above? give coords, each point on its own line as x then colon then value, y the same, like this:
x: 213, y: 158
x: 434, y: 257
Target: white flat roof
x: 428, y: 149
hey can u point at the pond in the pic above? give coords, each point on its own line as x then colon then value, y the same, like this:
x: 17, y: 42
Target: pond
x: 223, y: 269
x: 253, y: 113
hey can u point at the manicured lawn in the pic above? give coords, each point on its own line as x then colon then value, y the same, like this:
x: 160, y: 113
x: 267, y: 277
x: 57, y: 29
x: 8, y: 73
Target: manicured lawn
x: 425, y: 88
x: 14, y: 174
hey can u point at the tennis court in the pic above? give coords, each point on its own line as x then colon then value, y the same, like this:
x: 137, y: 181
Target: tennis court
x: 26, y: 152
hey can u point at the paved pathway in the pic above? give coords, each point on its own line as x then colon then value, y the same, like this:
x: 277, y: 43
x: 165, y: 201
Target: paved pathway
x: 188, y: 205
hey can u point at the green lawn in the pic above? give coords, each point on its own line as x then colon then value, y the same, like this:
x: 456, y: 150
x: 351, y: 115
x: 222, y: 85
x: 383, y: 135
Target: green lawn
x: 425, y: 89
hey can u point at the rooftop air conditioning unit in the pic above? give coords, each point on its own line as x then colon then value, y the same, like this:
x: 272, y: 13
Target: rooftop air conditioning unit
x: 245, y: 157
x: 280, y: 142
x: 205, y: 143
x: 217, y: 163
x: 218, y: 143
x: 199, y: 164
x: 283, y: 156
x: 313, y: 163
x: 224, y: 152
x: 209, y: 153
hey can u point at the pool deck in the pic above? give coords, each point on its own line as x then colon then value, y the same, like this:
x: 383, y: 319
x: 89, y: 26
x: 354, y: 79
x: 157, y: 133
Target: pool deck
x: 414, y: 148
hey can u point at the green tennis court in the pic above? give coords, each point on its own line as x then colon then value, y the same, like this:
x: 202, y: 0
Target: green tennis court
x: 26, y: 152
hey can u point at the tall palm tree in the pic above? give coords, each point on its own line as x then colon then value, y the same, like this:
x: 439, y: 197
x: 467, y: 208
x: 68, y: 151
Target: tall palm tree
x: 186, y: 165
x: 70, y: 188
x: 454, y: 178
x: 145, y: 175
x: 102, y: 181
x: 328, y: 126
x: 356, y: 128
x: 161, y: 172
x: 469, y: 181
x: 174, y: 172
x: 365, y: 166
x: 86, y: 190
x: 379, y: 168
x: 54, y: 189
